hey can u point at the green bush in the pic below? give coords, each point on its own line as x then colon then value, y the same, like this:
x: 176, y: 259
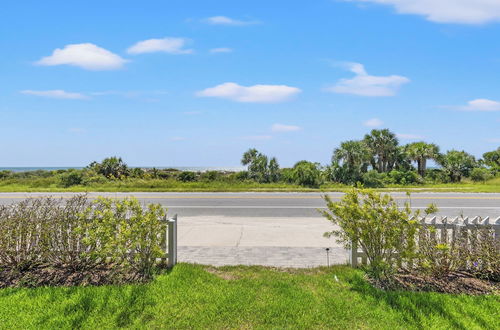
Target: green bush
x: 404, y: 177
x: 374, y: 179
x: 77, y: 233
x: 307, y: 174
x: 187, y: 176
x: 71, y: 178
x: 211, y: 175
x: 374, y: 222
x: 125, y: 232
x: 480, y: 174
x: 473, y: 251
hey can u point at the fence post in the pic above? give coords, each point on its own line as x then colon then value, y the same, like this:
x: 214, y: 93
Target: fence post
x: 353, y: 254
x: 172, y: 241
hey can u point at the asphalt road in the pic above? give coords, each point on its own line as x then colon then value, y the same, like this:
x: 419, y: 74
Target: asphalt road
x: 285, y: 204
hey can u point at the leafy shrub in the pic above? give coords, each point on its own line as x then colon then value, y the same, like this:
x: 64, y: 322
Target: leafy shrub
x: 403, y: 177
x: 71, y: 178
x: 307, y: 174
x: 475, y: 251
x: 186, y: 176
x: 436, y: 175
x: 210, y: 175
x: 480, y: 174
x: 80, y: 234
x: 42, y: 230
x: 374, y: 222
x: 125, y: 232
x: 4, y: 174
x: 374, y: 179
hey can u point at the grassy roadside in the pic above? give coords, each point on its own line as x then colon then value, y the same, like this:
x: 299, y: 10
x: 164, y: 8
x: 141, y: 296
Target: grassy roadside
x: 156, y: 185
x: 245, y: 297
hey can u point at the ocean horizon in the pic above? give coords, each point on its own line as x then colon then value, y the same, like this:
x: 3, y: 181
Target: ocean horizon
x: 180, y: 168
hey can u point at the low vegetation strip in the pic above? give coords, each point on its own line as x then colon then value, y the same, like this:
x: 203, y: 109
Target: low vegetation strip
x: 192, y: 296
x: 376, y: 161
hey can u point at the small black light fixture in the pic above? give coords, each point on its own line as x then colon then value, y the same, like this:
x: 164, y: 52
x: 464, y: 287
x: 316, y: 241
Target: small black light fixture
x: 327, y: 257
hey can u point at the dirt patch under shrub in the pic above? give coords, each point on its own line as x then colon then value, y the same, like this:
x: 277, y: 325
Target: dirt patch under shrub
x: 454, y: 283
x: 64, y: 275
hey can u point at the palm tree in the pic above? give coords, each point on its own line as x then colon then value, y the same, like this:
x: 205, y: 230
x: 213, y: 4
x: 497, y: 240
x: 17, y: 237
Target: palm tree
x: 384, y: 148
x: 353, y: 154
x: 420, y: 152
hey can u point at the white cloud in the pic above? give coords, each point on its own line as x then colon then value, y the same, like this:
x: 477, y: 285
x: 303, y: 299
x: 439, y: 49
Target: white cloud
x: 364, y: 84
x: 285, y: 128
x: 87, y: 56
x: 481, y: 105
x: 224, y: 20
x: 255, y: 93
x: 404, y: 136
x: 447, y: 11
x: 165, y: 45
x: 258, y: 137
x: 55, y: 94
x: 221, y: 50
x: 374, y: 122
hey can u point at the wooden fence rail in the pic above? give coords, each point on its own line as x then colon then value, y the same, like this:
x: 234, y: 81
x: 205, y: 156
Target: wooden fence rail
x: 447, y: 230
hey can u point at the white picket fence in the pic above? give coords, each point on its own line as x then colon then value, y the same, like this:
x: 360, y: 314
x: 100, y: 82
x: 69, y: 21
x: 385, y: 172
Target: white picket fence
x: 447, y: 229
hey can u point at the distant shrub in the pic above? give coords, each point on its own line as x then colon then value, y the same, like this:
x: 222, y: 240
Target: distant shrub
x: 403, y: 177
x: 436, y: 175
x: 374, y: 179
x: 240, y: 176
x: 71, y: 178
x: 211, y: 175
x: 5, y: 174
x: 307, y: 174
x: 480, y: 174
x: 186, y: 176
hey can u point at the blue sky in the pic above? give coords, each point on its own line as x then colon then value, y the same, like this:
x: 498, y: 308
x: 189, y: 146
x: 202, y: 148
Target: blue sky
x: 196, y: 83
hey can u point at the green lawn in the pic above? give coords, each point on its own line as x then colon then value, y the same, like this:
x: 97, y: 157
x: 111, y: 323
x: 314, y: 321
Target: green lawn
x: 158, y: 185
x: 245, y: 297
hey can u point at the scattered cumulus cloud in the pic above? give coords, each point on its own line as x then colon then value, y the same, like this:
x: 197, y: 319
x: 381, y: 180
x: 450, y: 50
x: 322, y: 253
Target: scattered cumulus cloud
x: 55, y: 94
x: 221, y: 50
x: 446, y: 11
x: 86, y: 56
x: 480, y: 105
x: 165, y: 45
x: 374, y: 122
x: 251, y: 94
x: 364, y: 84
x: 285, y: 128
x: 404, y: 136
x: 224, y: 20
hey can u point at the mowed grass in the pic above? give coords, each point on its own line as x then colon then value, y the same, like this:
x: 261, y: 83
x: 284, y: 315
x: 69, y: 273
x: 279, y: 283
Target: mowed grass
x: 193, y: 296
x: 158, y: 185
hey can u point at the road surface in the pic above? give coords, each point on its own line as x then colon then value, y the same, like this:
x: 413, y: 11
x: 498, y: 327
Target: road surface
x: 286, y: 204
x: 273, y: 229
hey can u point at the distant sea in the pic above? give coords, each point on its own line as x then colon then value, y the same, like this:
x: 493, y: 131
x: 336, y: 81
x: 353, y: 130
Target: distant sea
x: 181, y: 168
